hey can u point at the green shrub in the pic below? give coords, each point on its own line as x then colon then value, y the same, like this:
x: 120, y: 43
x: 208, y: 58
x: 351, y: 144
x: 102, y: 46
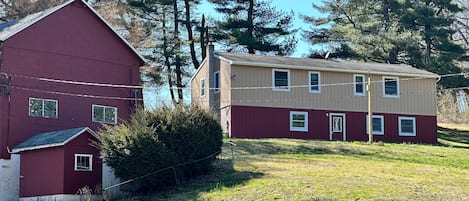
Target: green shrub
x: 162, y: 138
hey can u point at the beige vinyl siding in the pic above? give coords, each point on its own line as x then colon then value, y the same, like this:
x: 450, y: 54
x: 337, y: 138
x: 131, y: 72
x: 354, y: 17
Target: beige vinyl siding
x: 416, y: 96
x: 195, y: 87
x: 225, y: 83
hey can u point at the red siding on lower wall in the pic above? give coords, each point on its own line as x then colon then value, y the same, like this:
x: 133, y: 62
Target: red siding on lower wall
x: 266, y: 122
x: 42, y: 172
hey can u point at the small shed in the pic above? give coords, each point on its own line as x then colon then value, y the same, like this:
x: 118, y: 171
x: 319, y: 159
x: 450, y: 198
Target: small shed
x: 55, y: 165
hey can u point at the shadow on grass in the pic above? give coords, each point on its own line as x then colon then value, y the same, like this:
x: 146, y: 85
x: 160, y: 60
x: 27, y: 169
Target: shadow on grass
x: 266, y: 147
x: 454, y: 137
x: 222, y: 176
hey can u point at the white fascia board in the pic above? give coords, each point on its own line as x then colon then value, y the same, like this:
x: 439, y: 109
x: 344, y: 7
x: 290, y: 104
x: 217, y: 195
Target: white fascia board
x: 198, y: 69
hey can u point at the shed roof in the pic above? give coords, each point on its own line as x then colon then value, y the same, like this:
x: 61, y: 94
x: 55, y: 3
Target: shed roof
x: 51, y: 139
x: 323, y: 65
x: 10, y: 28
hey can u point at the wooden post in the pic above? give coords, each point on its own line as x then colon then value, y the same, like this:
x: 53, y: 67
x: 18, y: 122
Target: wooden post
x: 370, y: 113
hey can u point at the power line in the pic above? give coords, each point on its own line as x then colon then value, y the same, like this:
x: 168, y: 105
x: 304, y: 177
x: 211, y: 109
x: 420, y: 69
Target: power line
x: 76, y: 95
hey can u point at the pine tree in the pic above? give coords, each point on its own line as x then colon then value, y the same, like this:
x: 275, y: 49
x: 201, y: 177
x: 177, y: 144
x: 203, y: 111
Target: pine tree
x: 414, y: 32
x: 254, y: 26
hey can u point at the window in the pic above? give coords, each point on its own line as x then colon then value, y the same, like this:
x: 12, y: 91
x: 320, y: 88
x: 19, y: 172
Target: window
x: 104, y: 114
x: 216, y: 81
x: 391, y: 87
x: 378, y: 124
x: 299, y: 121
x: 42, y: 108
x: 202, y: 87
x: 83, y: 162
x: 337, y: 124
x: 314, y: 82
x: 359, y: 85
x: 407, y: 126
x: 281, y: 80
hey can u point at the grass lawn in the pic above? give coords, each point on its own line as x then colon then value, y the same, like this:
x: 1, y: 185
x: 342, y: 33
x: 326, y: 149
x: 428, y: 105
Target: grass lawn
x: 283, y: 169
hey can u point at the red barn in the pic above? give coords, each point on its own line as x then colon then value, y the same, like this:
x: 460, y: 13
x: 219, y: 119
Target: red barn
x: 61, y: 68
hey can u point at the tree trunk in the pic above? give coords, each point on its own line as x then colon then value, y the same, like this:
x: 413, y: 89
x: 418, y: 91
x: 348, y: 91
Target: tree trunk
x: 251, y: 26
x: 203, y: 35
x: 166, y: 57
x: 189, y: 34
x: 177, y: 47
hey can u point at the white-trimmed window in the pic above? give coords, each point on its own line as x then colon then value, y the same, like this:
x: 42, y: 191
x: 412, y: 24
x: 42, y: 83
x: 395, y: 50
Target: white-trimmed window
x: 391, y: 87
x: 46, y: 108
x: 280, y: 80
x: 299, y: 121
x: 378, y: 124
x: 407, y: 126
x: 216, y: 81
x: 359, y: 85
x: 83, y: 162
x: 202, y: 87
x: 314, y: 82
x: 104, y: 114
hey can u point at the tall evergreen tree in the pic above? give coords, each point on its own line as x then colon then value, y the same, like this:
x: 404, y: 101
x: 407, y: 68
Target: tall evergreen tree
x: 254, y: 26
x: 414, y: 32
x: 171, y: 48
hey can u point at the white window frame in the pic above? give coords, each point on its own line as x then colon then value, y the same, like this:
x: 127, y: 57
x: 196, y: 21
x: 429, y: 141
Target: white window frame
x: 301, y: 129
x: 89, y: 156
x: 202, y: 88
x: 274, y: 88
x: 319, y: 82
x: 397, y: 85
x: 413, y: 124
x: 104, y: 113
x: 355, y: 85
x: 382, y: 125
x: 42, y: 111
x: 216, y: 85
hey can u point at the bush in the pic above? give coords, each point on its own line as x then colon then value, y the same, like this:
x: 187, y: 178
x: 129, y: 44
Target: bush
x: 155, y: 140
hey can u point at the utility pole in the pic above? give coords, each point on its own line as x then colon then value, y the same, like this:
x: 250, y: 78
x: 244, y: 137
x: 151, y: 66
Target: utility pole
x: 370, y: 114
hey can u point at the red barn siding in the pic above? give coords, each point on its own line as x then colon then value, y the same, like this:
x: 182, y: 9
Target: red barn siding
x: 78, y: 179
x: 42, y: 172
x: 266, y: 122
x: 70, y: 44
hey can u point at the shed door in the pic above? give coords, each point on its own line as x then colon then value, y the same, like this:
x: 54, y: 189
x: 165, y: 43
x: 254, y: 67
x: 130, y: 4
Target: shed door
x: 337, y: 126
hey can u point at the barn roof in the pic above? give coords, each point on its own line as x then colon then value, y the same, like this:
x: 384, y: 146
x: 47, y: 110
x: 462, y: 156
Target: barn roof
x: 10, y: 28
x: 51, y: 139
x: 323, y: 65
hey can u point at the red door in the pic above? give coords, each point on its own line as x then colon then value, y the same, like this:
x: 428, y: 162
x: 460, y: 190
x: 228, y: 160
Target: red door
x: 337, y: 127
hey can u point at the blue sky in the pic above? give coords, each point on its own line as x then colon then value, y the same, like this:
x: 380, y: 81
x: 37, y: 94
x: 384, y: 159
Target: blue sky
x: 299, y: 7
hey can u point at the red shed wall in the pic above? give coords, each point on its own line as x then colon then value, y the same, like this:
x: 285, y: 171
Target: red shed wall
x: 77, y: 179
x: 70, y: 44
x: 266, y: 122
x: 42, y: 172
